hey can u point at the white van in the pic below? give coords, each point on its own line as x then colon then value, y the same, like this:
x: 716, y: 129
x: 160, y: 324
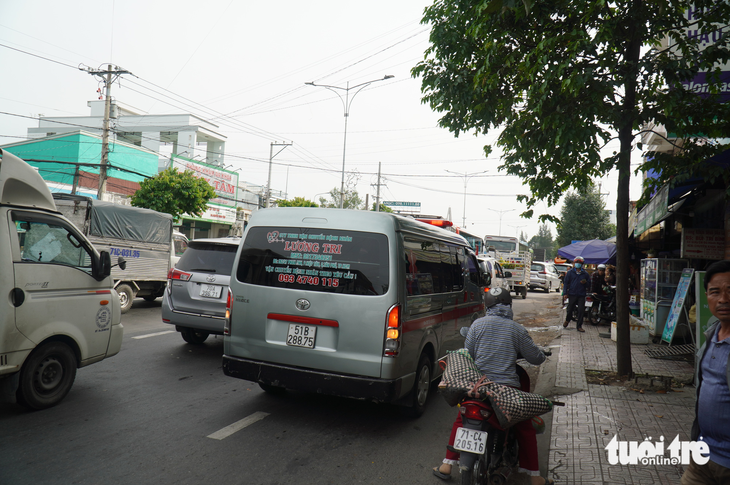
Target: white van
x: 351, y: 303
x: 491, y: 266
x: 59, y: 310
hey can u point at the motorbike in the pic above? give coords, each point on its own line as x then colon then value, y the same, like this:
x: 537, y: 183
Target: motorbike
x: 488, y: 453
x: 603, y: 307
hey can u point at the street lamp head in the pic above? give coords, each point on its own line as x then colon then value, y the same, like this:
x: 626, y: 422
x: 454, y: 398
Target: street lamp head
x: 310, y: 83
x: 389, y: 76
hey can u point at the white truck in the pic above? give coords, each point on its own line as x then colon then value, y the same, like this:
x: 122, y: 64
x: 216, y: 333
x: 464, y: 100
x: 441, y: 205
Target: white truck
x: 59, y: 310
x: 515, y: 257
x: 143, y: 237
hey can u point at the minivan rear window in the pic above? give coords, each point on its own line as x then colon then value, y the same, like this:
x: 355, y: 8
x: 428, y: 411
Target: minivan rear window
x: 208, y: 257
x: 326, y: 260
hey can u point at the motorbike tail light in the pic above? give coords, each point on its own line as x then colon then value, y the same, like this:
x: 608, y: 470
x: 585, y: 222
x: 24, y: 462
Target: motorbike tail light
x: 392, y: 332
x: 589, y: 298
x: 176, y: 274
x: 474, y: 412
x: 227, y: 325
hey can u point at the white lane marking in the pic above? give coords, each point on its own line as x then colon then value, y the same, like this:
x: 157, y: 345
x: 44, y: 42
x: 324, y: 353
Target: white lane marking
x: 238, y: 425
x: 154, y: 334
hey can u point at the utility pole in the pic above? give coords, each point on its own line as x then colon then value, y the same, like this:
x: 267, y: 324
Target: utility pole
x: 108, y: 77
x: 377, y: 196
x: 271, y: 161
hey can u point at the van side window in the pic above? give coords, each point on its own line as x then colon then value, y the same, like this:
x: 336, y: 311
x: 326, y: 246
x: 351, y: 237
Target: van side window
x: 180, y: 245
x: 44, y: 241
x: 498, y: 268
x: 473, y: 268
x: 431, y: 267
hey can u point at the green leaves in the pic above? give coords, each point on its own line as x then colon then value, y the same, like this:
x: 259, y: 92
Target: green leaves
x: 174, y: 193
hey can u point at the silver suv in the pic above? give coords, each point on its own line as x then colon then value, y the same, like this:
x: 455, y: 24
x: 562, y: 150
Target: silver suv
x: 544, y: 275
x: 197, y: 288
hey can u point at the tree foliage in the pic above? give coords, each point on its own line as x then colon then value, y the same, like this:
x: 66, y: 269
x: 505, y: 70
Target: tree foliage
x: 383, y: 208
x: 583, y: 217
x: 543, y: 240
x: 175, y: 193
x: 296, y: 202
x: 352, y: 199
x: 561, y: 78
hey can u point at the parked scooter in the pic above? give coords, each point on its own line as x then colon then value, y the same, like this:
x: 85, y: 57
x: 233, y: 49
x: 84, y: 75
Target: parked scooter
x: 603, y: 307
x: 488, y: 452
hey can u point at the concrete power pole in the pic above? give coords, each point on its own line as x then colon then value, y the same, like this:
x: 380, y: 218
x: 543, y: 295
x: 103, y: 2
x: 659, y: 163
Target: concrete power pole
x: 108, y: 77
x: 271, y: 161
x: 377, y: 196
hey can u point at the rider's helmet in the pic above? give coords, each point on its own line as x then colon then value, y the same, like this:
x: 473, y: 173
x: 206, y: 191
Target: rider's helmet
x: 498, y: 295
x: 579, y: 259
x: 601, y: 266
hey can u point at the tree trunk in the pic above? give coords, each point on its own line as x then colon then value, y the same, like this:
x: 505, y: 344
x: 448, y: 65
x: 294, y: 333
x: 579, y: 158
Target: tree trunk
x: 625, y: 135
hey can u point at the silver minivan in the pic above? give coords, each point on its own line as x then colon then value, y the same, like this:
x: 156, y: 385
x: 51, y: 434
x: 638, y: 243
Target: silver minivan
x: 350, y: 303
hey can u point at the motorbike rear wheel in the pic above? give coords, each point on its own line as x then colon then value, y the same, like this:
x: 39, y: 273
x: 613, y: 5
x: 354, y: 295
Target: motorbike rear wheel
x: 477, y: 474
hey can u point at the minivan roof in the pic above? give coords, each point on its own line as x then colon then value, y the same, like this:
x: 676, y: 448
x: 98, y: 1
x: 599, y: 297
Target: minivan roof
x: 21, y: 184
x: 355, y: 220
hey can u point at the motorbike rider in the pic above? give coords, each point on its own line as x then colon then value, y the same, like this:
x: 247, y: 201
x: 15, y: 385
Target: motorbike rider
x: 495, y: 342
x: 575, y: 285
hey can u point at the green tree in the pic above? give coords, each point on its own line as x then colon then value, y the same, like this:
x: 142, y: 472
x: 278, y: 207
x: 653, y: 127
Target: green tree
x: 583, y: 217
x: 563, y: 77
x: 352, y: 199
x: 543, y: 240
x: 175, y: 193
x: 296, y: 202
x: 383, y: 208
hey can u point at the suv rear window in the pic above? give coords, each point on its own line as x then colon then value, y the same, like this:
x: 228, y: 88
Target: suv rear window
x: 208, y: 257
x: 327, y: 260
x: 537, y: 267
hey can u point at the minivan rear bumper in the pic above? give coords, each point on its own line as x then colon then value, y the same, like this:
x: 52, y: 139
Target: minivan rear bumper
x: 308, y: 380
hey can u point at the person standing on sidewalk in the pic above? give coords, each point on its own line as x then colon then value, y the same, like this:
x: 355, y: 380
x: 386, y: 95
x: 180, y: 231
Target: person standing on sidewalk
x: 712, y: 411
x: 576, y: 284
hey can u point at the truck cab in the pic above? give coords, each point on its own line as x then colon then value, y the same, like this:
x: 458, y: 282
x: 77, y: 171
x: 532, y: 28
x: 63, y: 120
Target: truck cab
x: 59, y: 310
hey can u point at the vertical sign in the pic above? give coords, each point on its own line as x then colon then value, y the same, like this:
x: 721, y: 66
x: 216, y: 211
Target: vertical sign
x: 677, y: 304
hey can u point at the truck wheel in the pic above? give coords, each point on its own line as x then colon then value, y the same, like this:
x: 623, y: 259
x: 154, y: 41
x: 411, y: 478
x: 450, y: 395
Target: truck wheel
x: 194, y: 337
x: 524, y: 293
x: 126, y: 297
x: 419, y: 394
x: 47, y: 376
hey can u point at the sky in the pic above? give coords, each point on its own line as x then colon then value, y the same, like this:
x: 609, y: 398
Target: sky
x: 243, y: 65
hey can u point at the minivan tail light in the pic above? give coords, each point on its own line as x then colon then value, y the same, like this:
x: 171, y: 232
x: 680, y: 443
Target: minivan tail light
x: 176, y: 274
x: 392, y: 332
x: 227, y: 324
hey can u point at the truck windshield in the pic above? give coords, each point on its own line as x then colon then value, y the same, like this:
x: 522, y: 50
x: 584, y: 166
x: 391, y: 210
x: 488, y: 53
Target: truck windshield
x: 325, y: 260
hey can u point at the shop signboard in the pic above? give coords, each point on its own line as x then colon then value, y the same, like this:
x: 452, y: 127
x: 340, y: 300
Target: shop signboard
x: 677, y: 305
x: 705, y: 319
x: 653, y: 212
x: 703, y: 243
x: 224, y: 182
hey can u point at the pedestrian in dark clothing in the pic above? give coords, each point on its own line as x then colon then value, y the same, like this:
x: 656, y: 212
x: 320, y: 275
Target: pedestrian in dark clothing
x: 598, y: 281
x: 576, y: 284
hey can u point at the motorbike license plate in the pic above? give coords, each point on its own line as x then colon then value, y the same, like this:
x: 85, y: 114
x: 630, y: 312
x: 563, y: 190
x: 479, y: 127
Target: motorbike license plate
x: 471, y: 440
x: 589, y: 303
x: 301, y: 335
x: 211, y: 291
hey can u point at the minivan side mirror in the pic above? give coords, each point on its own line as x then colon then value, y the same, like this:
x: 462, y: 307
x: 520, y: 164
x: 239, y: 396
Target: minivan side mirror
x: 486, y: 279
x: 121, y: 263
x: 508, y: 274
x: 104, y: 268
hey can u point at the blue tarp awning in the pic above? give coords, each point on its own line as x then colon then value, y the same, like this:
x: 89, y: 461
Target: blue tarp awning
x: 594, y: 251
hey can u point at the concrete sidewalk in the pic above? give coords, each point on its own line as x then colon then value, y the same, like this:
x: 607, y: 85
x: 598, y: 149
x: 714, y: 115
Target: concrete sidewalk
x: 594, y: 413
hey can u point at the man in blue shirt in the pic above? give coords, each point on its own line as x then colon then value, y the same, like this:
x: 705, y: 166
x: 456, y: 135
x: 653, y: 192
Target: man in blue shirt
x: 712, y: 411
x: 576, y: 284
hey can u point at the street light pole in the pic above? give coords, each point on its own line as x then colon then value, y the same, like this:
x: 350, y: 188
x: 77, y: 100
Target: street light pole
x: 500, y: 212
x: 346, y: 103
x: 517, y: 233
x: 466, y: 176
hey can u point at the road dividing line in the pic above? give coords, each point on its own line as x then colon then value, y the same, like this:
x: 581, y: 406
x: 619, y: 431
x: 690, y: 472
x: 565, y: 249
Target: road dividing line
x: 154, y: 334
x: 238, y: 426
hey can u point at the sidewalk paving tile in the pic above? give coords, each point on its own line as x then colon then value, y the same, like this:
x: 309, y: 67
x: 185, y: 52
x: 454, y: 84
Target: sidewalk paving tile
x: 591, y: 417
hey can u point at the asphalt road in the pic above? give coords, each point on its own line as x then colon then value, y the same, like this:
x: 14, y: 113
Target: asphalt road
x: 160, y: 411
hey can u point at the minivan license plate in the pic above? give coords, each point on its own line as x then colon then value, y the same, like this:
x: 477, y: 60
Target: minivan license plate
x: 301, y: 335
x: 471, y: 440
x: 211, y: 291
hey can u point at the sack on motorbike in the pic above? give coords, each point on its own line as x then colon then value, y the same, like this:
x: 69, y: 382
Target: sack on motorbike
x: 460, y: 376
x: 511, y: 405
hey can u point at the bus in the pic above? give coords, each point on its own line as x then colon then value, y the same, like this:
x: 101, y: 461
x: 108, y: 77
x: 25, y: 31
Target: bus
x: 505, y: 244
x: 475, y: 242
